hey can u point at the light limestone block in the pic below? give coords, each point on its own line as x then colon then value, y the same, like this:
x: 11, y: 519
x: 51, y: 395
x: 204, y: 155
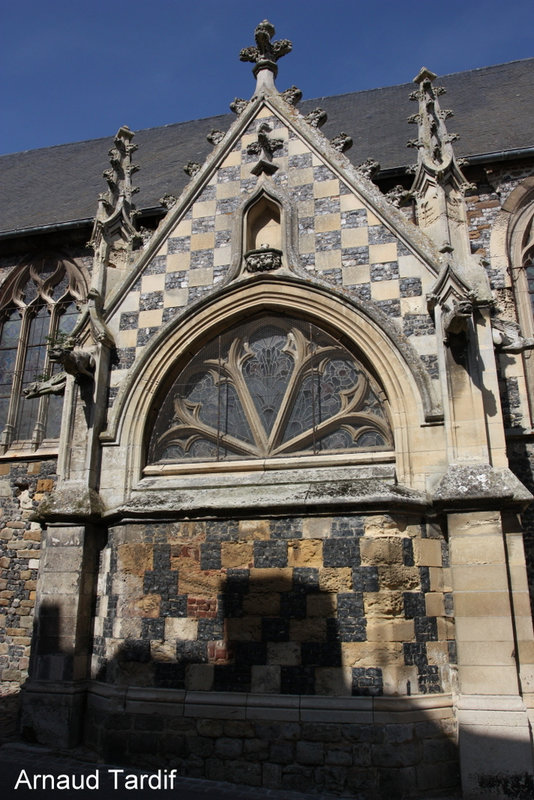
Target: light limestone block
x: 232, y: 159
x: 335, y: 579
x: 254, y: 529
x: 481, y: 604
x: 427, y: 552
x: 485, y: 653
x: 201, y: 277
x: 175, y: 297
x: 153, y: 283
x: 384, y: 290
x: 181, y: 628
x: 326, y: 222
x: 126, y: 338
x: 177, y: 262
x: 350, y: 202
x: 296, y: 147
x: 206, y: 209
x: 326, y: 189
x: 182, y: 229
x: 352, y: 276
x: 302, y: 553
x: 483, y: 629
x: 379, y: 253
x: 222, y: 256
x: 354, y: 237
x: 150, y: 319
x: 299, y: 177
x: 316, y: 527
x: 203, y: 241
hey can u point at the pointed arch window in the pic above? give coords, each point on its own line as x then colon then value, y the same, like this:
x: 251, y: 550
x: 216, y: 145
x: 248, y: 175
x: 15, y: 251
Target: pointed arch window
x: 39, y: 303
x: 273, y: 387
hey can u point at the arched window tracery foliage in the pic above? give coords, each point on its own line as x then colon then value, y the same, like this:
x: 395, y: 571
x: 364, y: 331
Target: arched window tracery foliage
x: 272, y: 387
x: 38, y: 303
x: 521, y: 251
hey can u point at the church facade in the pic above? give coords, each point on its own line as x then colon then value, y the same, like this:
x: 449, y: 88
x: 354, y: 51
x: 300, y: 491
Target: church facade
x: 267, y: 450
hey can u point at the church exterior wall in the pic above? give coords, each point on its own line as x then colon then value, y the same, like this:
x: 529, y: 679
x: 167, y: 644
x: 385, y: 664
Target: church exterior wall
x: 353, y: 620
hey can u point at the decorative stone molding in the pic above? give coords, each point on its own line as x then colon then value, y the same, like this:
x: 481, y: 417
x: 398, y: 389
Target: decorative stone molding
x: 370, y: 167
x: 507, y: 337
x: 191, y: 168
x: 266, y: 52
x: 341, y: 142
x: 316, y: 118
x: 264, y: 147
x: 398, y: 196
x: 469, y: 485
x: 168, y: 201
x: 52, y: 385
x: 215, y: 136
x: 99, y: 329
x: 238, y: 105
x: 74, y: 361
x: 292, y: 95
x: 114, y: 234
x: 264, y: 259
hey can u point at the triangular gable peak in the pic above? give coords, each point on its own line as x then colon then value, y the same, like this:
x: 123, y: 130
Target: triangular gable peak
x: 311, y: 172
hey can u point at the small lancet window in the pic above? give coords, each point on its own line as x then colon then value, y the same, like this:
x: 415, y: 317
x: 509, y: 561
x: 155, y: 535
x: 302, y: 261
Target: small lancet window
x: 263, y: 236
x: 263, y: 225
x: 271, y: 388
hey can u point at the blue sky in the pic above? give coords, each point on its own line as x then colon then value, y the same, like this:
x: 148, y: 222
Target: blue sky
x: 79, y: 69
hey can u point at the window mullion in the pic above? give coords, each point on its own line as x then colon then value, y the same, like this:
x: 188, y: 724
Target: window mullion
x: 8, y: 433
x: 40, y: 423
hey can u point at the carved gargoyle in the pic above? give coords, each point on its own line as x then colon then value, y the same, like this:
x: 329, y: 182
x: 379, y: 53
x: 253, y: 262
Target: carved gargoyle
x: 507, y: 337
x: 53, y: 385
x: 456, y: 319
x: 74, y: 361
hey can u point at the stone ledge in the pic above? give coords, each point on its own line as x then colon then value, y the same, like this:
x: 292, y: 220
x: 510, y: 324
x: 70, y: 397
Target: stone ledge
x: 466, y: 486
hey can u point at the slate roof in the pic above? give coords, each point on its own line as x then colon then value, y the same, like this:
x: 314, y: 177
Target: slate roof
x: 493, y: 107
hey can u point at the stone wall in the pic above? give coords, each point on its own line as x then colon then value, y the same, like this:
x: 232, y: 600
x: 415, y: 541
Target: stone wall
x: 355, y: 605
x: 355, y: 747
x: 23, y: 484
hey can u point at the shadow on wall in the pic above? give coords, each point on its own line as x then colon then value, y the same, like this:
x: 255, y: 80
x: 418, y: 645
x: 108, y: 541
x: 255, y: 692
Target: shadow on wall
x: 346, y: 745
x: 293, y: 714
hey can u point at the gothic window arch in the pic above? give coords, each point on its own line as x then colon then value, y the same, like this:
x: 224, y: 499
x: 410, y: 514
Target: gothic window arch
x: 271, y: 387
x: 38, y: 303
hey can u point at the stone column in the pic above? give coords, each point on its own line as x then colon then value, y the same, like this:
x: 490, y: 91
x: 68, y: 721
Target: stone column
x: 494, y: 731
x: 54, y: 695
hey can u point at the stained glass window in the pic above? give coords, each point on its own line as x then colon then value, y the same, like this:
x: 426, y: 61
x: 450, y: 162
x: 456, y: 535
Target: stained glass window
x: 38, y: 303
x: 273, y: 387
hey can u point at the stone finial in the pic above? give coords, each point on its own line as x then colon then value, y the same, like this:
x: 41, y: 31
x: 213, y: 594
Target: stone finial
x: 116, y: 210
x: 266, y: 53
x: 439, y: 185
x: 264, y: 147
x: 341, y: 142
x: 264, y: 56
x: 433, y: 143
x: 316, y: 118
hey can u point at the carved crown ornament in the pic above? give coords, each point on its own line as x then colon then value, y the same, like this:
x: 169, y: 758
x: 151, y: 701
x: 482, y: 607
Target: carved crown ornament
x: 266, y: 52
x: 264, y: 259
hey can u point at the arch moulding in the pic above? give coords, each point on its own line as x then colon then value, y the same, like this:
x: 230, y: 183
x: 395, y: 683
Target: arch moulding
x: 410, y: 397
